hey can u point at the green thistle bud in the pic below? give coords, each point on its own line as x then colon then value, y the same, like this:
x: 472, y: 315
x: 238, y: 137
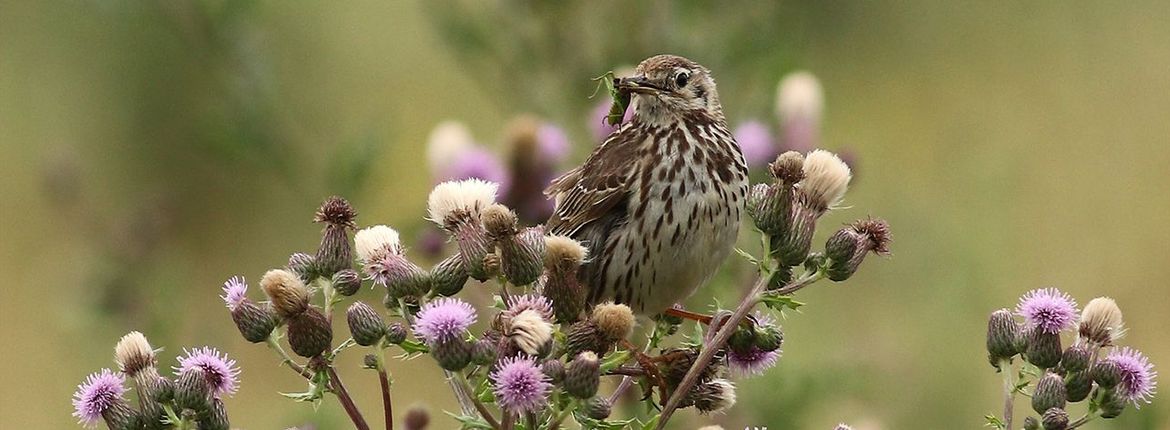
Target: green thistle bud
x: 791, y: 246
x: 192, y: 390
x: 309, y: 333
x: 474, y: 245
x: 395, y: 333
x: 255, y: 323
x: 1055, y: 419
x: 120, y: 416
x: 1031, y: 423
x: 742, y: 340
x: 598, y: 408
x: 1043, y: 350
x: 1049, y: 393
x: 781, y: 276
x: 584, y: 336
x: 152, y: 409
x: 1077, y: 386
x: 453, y: 354
x: 163, y: 390
x: 769, y: 338
x: 303, y: 265
x: 347, y: 282
x: 483, y: 352
x: 1106, y: 374
x: 554, y: 369
x: 847, y: 248
x: 402, y: 278
x: 1075, y: 359
x: 583, y: 375
x: 522, y: 256
x: 416, y: 418
x: 449, y: 276
x: 365, y: 324
x: 215, y: 417
x: 335, y: 252
x: 1002, y: 333
x: 563, y: 258
x: 1112, y: 404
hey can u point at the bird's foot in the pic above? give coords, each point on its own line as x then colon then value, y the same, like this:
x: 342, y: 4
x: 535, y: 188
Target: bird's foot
x: 649, y: 369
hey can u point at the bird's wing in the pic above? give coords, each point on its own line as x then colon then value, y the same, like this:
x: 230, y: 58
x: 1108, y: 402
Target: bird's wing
x: 593, y: 190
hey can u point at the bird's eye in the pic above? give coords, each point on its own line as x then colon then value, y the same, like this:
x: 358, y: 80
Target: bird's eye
x: 680, y: 80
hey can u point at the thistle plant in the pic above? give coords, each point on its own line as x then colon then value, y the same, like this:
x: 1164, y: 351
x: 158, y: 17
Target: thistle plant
x: 1093, y: 369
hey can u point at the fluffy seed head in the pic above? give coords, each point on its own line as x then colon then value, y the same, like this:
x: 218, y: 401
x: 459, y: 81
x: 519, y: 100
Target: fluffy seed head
x: 134, y: 354
x: 714, y: 396
x: 221, y: 372
x: 614, y: 321
x: 336, y: 211
x: 563, y: 253
x: 286, y: 291
x: 443, y: 319
x: 826, y: 178
x: 520, y: 386
x: 499, y: 221
x: 235, y: 290
x: 1048, y: 309
x: 375, y: 241
x: 1101, y: 322
x: 530, y: 331
x: 1139, y: 380
x: 454, y: 201
x: 100, y: 392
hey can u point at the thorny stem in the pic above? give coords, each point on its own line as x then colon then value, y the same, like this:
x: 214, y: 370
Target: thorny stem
x: 384, y: 380
x: 346, y: 401
x: 456, y: 379
x: 509, y: 421
x: 287, y: 360
x: 1009, y: 392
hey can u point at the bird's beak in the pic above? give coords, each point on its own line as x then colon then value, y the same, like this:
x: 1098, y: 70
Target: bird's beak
x: 638, y: 84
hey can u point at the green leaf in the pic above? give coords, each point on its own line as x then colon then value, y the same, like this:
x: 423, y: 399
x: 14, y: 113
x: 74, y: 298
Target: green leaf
x: 779, y: 302
x: 592, y: 424
x: 468, y: 422
x: 747, y: 256
x: 994, y: 421
x: 652, y: 423
x: 612, y: 361
x: 413, y: 347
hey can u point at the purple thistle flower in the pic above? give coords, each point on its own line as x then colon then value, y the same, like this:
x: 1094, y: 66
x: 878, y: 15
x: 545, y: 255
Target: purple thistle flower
x: 601, y: 129
x: 235, y: 290
x: 220, y: 371
x: 1138, y: 379
x: 1049, y: 309
x: 520, y: 386
x: 535, y: 302
x: 756, y: 360
x: 443, y: 319
x: 553, y: 144
x: 476, y: 163
x: 756, y: 142
x: 100, y: 392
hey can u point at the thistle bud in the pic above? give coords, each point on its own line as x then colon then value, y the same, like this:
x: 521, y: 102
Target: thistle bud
x: 215, y: 417
x: 309, y: 333
x: 614, y: 321
x: 303, y: 266
x: 1112, y: 404
x: 370, y: 361
x: 716, y: 395
x: 847, y: 248
x: 401, y: 277
x: 598, y: 408
x: 1043, y: 350
x: 416, y: 418
x: 376, y: 241
x: 769, y: 338
x: 791, y: 245
x: 1031, y: 423
x: 585, y: 336
x: 120, y: 416
x: 742, y: 340
x: 1107, y: 374
x: 1055, y: 419
x: 563, y: 258
x: 1101, y: 322
x: 133, y: 354
x: 1002, y: 334
x: 449, y: 276
x: 192, y: 390
x: 1075, y: 359
x: 347, y: 282
x: 499, y: 222
x: 1049, y: 393
x: 530, y: 332
x: 452, y: 354
x: 583, y: 375
x: 522, y: 256
x: 254, y: 322
x: 483, y: 352
x: 334, y: 253
x: 288, y: 294
x: 395, y: 333
x: 554, y: 369
x: 365, y: 324
x: 788, y: 168
x: 154, y: 389
x: 1077, y: 386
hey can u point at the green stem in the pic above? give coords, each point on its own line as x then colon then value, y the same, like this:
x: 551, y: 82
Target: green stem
x: 1009, y: 392
x: 1085, y: 419
x: 564, y: 413
x: 285, y: 358
x: 384, y: 381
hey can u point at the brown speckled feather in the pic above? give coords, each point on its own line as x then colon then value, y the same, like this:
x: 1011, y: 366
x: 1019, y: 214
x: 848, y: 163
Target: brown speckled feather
x: 588, y: 193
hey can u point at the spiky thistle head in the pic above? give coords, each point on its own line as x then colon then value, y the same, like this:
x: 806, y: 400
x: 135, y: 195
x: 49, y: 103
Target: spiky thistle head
x: 100, y: 392
x: 444, y: 319
x: 519, y: 385
x: 336, y: 211
x: 235, y: 291
x: 1139, y: 380
x: 1048, y: 309
x: 220, y: 371
x: 454, y: 202
x: 375, y: 241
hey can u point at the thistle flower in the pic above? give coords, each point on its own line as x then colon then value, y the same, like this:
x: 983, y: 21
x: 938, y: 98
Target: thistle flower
x: 520, y: 386
x: 563, y: 257
x: 753, y: 360
x: 530, y: 332
x: 400, y: 276
x: 444, y: 319
x: 286, y: 291
x: 133, y: 354
x: 1101, y: 322
x: 235, y: 291
x: 826, y: 178
x: 847, y: 248
x: 799, y: 105
x: 614, y: 321
x: 100, y: 393
x: 1139, y: 381
x: 523, y: 302
x: 756, y: 142
x: 714, y: 396
x: 334, y: 252
x: 221, y: 372
x: 374, y: 241
x: 1048, y: 309
x: 456, y: 206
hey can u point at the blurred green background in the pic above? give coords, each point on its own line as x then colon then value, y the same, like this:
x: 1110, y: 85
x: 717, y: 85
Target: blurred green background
x: 153, y: 149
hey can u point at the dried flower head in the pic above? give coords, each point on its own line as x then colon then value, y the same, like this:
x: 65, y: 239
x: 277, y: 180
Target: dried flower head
x: 523, y: 302
x: 1101, y: 322
x: 826, y: 178
x: 530, y: 331
x: 375, y: 241
x: 562, y: 252
x: 444, y: 319
x: 614, y: 321
x: 1048, y: 309
x: 100, y: 392
x: 499, y: 221
x: 134, y: 354
x: 714, y: 396
x: 455, y: 201
x: 286, y: 291
x: 336, y: 211
x: 221, y: 372
x: 520, y: 386
x: 1139, y: 380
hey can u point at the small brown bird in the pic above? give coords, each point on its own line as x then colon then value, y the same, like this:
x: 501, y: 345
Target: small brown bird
x: 658, y: 204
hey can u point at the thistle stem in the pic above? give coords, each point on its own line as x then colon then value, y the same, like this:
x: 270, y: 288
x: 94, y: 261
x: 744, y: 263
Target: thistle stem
x: 458, y: 380
x: 346, y: 401
x: 384, y: 380
x: 1084, y: 419
x: 564, y: 413
x: 1009, y: 392
x: 287, y: 360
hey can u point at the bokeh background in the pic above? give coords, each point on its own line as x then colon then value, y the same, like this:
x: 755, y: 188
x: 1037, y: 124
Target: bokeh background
x: 150, y: 150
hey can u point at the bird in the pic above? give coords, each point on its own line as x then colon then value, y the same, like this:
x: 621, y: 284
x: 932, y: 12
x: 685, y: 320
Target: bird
x: 658, y: 204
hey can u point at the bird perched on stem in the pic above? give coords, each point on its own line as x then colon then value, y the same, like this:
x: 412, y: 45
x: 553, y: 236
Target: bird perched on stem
x: 658, y: 204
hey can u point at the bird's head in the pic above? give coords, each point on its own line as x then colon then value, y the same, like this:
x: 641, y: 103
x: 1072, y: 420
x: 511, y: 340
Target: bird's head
x: 666, y: 86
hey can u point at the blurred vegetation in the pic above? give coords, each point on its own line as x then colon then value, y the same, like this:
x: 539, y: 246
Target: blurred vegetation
x: 153, y: 149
